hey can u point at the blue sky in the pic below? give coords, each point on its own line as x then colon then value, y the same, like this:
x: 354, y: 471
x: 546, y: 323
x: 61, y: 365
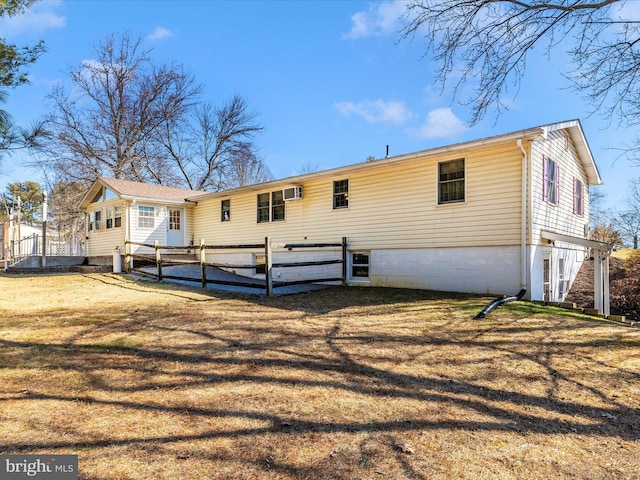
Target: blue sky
x: 330, y: 81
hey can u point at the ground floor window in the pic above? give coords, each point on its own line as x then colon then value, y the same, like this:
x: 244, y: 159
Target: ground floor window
x: 146, y: 217
x: 261, y: 265
x: 360, y: 264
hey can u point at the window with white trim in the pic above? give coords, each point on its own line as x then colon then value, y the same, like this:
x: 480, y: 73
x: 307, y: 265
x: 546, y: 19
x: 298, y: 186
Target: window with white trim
x: 578, y: 197
x: 341, y: 194
x: 117, y: 220
x: 108, y: 217
x: 146, y: 217
x: 451, y: 181
x: 360, y: 264
x: 98, y: 222
x: 225, y: 210
x: 551, y: 181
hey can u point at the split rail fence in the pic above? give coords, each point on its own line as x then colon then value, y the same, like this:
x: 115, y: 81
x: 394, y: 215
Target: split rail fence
x: 161, y: 259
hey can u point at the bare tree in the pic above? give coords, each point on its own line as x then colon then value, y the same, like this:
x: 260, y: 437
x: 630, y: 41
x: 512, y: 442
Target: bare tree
x: 485, y: 43
x: 206, y: 146
x: 245, y: 168
x: 131, y: 119
x: 628, y: 221
x: 107, y: 123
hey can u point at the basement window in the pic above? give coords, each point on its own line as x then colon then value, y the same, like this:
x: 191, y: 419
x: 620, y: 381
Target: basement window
x: 360, y: 264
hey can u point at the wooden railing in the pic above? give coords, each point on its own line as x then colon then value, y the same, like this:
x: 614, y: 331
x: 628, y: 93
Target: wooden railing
x: 161, y: 259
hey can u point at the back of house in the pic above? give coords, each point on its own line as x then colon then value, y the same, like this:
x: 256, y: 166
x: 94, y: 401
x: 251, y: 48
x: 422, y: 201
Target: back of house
x: 467, y: 218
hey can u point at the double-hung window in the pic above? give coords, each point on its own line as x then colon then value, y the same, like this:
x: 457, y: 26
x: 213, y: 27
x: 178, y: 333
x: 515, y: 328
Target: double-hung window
x: 271, y: 207
x: 98, y: 222
x: 117, y: 221
x: 551, y: 181
x: 341, y: 194
x: 451, y: 188
x: 109, y: 217
x: 578, y: 197
x: 225, y: 211
x: 146, y: 217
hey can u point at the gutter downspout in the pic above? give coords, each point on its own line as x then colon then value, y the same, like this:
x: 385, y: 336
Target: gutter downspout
x: 523, y: 220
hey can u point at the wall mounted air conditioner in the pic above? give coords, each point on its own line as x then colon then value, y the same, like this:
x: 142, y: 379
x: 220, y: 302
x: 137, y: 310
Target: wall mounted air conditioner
x: 292, y: 193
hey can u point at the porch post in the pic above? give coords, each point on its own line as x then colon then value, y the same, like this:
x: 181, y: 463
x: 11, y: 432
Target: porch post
x: 158, y: 259
x: 605, y: 275
x: 344, y: 261
x: 268, y: 266
x: 203, y: 263
x: 597, y: 281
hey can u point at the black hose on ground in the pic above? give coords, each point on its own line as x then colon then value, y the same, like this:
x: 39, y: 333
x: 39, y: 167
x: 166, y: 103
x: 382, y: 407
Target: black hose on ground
x: 497, y: 302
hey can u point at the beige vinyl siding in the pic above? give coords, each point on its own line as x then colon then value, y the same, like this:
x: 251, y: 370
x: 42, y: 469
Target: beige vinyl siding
x: 391, y: 205
x: 102, y: 242
x: 188, y: 225
x: 148, y: 235
x: 560, y: 218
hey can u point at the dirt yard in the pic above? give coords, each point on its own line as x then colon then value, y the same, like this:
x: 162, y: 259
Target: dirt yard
x: 146, y: 381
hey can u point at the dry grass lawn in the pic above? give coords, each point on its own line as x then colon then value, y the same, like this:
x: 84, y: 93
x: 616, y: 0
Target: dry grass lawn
x: 146, y: 381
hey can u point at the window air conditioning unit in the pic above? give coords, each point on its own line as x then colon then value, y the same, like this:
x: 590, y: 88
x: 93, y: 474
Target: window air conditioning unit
x: 292, y: 193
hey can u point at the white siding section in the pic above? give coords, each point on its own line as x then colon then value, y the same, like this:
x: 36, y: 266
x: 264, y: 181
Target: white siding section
x: 560, y: 218
x: 485, y: 270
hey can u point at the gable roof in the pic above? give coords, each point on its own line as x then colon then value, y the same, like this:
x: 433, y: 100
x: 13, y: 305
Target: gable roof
x: 572, y: 127
x: 139, y: 191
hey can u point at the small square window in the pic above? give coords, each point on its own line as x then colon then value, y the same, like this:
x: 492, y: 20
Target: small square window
x: 225, y: 211
x: 360, y: 265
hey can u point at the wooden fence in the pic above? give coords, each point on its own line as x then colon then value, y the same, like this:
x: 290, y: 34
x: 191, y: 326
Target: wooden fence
x: 161, y: 258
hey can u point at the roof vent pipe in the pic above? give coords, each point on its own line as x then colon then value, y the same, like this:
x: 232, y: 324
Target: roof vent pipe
x: 387, y: 152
